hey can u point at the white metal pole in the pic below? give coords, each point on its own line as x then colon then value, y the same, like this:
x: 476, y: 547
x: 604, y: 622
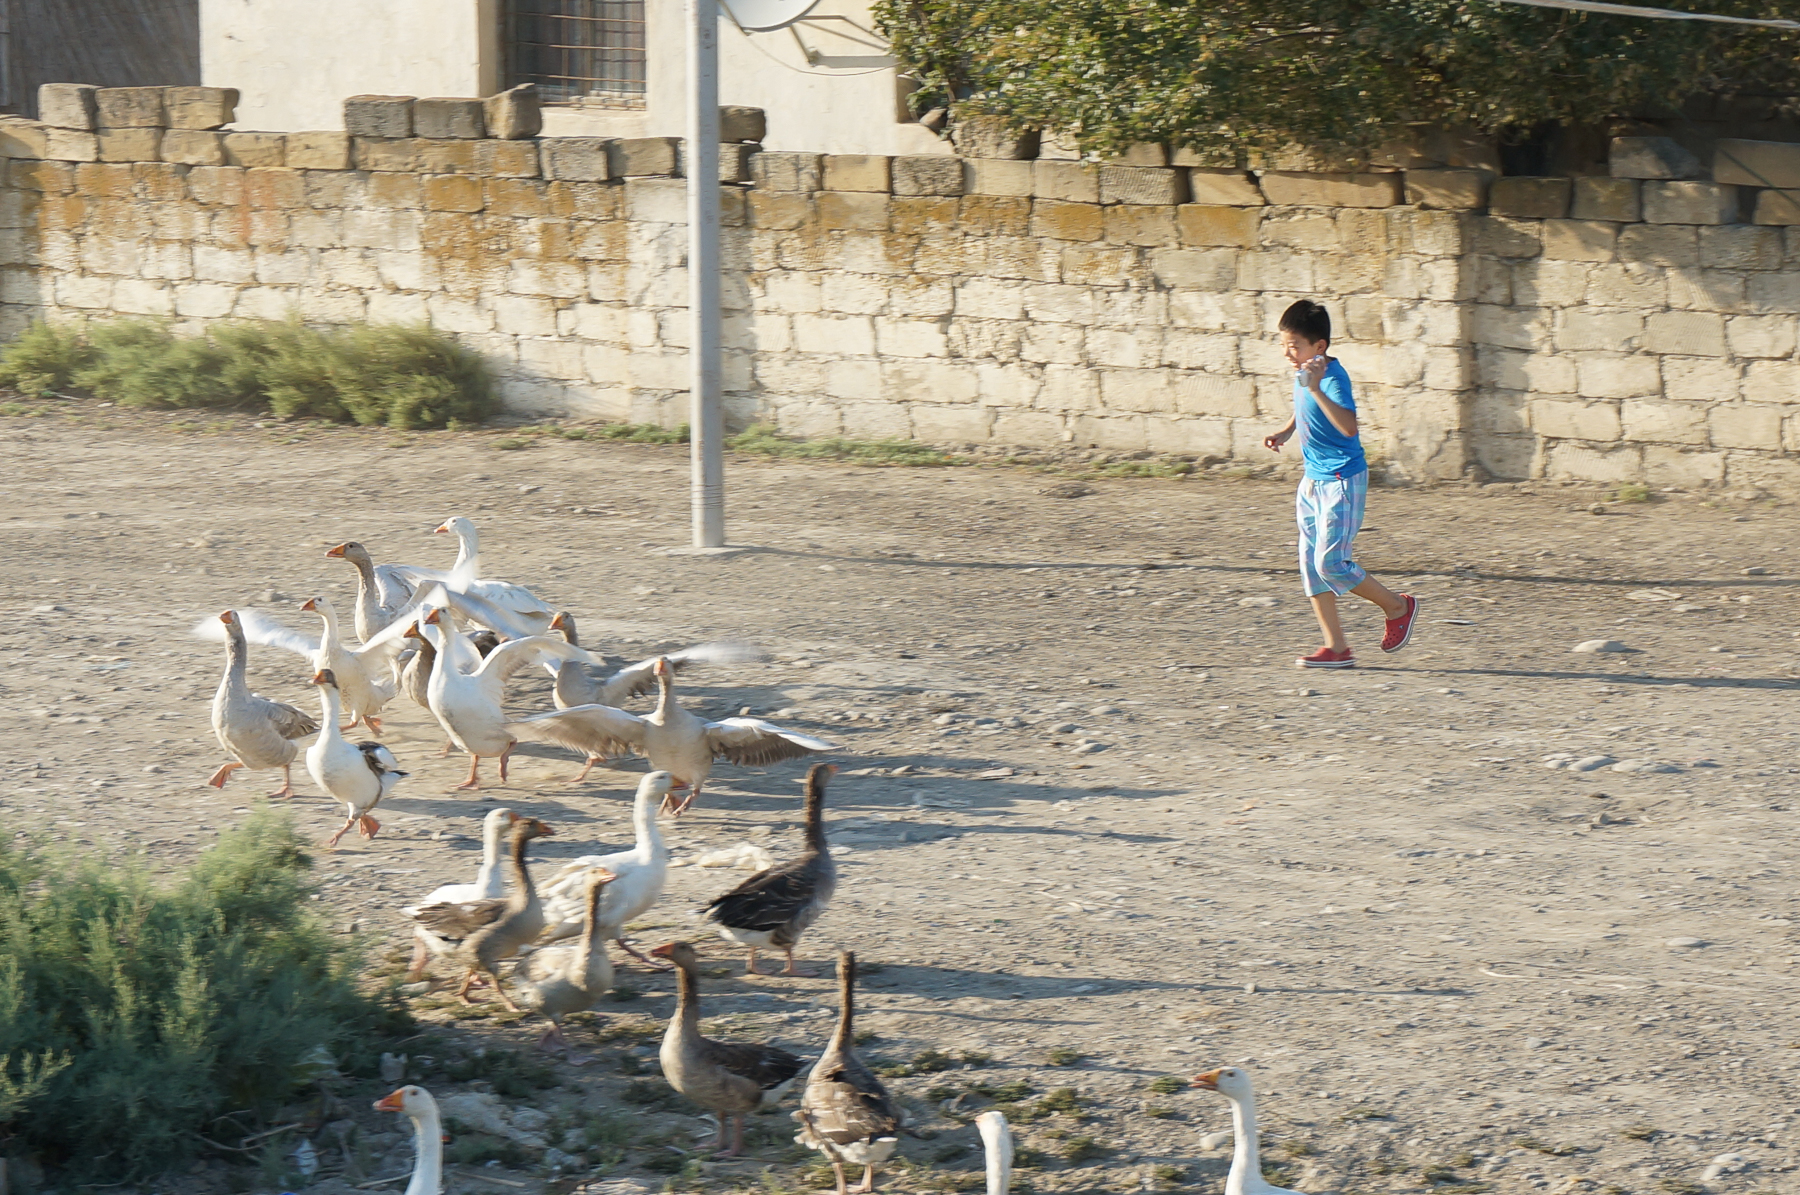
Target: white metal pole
x: 704, y: 370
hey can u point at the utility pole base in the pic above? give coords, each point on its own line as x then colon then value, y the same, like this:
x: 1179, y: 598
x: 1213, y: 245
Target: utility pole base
x: 727, y: 550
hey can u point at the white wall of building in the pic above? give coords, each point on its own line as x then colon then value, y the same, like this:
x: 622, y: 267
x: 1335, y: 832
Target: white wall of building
x: 294, y: 64
x: 828, y: 85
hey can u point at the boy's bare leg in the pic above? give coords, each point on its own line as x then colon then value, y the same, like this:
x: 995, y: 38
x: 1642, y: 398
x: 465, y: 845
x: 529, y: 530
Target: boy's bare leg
x: 1325, y: 610
x: 1373, y: 591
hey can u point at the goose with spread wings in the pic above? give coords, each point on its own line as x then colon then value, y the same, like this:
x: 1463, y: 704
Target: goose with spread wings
x: 674, y: 739
x: 518, y: 601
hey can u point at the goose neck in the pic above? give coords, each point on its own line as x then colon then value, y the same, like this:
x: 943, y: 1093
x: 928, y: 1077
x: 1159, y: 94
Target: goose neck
x: 643, y: 819
x: 237, y: 657
x: 490, y: 861
x: 468, y: 545
x: 845, y: 1037
x: 687, y: 1003
x: 521, y: 875
x: 428, y: 1163
x: 815, y: 819
x: 665, y: 698
x: 590, y: 931
x: 331, y: 704
x: 1245, y: 1177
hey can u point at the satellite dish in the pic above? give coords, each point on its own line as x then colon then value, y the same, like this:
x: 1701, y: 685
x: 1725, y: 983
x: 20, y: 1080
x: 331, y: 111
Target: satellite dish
x: 762, y: 16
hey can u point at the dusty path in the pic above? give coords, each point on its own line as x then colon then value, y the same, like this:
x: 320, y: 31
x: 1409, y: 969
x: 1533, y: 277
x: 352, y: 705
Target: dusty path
x: 1366, y: 887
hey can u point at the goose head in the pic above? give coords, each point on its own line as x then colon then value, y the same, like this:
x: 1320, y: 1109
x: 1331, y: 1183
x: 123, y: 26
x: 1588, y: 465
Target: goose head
x: 349, y: 550
x: 317, y: 605
x: 530, y: 827
x: 680, y: 953
x: 1228, y: 1081
x: 564, y: 622
x: 599, y: 877
x: 655, y: 786
x: 412, y: 631
x: 435, y: 618
x: 415, y: 1102
x: 325, y: 676
x: 455, y: 525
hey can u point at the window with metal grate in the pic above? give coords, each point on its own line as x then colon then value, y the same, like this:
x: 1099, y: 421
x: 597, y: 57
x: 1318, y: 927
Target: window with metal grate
x: 578, y: 51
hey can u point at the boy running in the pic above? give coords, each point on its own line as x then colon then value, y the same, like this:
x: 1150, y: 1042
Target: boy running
x: 1334, y: 490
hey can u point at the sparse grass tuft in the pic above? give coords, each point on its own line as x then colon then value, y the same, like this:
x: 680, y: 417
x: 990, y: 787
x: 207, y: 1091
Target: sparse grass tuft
x: 762, y: 440
x: 1640, y: 1132
x: 1632, y: 491
x: 514, y: 1075
x: 1363, y: 1112
x: 473, y: 1149
x: 1165, y: 1175
x: 1544, y: 1147
x: 1166, y: 1085
x: 1063, y: 1099
x: 1082, y: 1149
x: 403, y: 376
x: 930, y: 1062
x: 510, y: 444
x: 1681, y: 1186
x: 1159, y: 1112
x: 1063, y: 1056
x: 1297, y: 1148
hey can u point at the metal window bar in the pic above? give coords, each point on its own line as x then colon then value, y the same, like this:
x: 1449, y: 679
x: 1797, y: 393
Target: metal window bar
x: 578, y: 49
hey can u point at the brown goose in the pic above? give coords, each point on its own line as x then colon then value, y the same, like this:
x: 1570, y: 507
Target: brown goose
x: 381, y: 595
x: 845, y: 1112
x: 776, y: 905
x: 559, y: 980
x: 730, y: 1079
x: 478, y: 935
x: 258, y: 733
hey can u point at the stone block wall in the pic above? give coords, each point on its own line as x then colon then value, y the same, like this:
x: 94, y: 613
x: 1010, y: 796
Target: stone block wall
x: 1603, y: 329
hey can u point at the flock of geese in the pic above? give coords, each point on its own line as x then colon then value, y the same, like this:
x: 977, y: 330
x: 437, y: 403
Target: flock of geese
x: 449, y: 640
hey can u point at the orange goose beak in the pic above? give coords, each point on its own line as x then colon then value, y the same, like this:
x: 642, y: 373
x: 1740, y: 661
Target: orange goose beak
x: 337, y: 552
x: 393, y: 1101
x: 1207, y: 1082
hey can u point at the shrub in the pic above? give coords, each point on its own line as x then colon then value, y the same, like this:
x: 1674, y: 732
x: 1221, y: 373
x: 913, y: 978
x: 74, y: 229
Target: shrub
x: 399, y: 375
x: 134, y: 1017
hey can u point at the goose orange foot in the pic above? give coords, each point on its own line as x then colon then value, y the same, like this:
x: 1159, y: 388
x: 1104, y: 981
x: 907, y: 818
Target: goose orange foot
x: 219, y: 777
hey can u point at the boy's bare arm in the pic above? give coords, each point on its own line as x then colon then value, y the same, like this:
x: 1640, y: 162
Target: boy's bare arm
x: 1341, y: 418
x: 1273, y: 443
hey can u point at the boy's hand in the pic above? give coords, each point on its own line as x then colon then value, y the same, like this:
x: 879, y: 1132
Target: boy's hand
x: 1273, y: 443
x: 1312, y: 371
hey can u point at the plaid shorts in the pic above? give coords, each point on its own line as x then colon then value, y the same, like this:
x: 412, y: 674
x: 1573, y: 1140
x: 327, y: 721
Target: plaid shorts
x: 1330, y: 513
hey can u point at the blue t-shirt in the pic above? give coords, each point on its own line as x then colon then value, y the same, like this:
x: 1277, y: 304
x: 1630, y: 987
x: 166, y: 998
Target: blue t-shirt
x: 1328, y: 452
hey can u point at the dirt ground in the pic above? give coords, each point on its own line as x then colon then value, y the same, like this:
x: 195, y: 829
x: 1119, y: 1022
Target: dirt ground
x: 1088, y: 807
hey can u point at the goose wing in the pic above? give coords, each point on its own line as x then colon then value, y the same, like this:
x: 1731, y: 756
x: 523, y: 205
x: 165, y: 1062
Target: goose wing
x: 766, y: 1066
x: 381, y: 761
x: 847, y: 1103
x: 753, y: 741
x: 392, y: 590
x: 259, y: 628
x: 595, y: 729
x: 634, y: 680
x: 769, y: 899
x: 289, y: 722
x: 455, y: 922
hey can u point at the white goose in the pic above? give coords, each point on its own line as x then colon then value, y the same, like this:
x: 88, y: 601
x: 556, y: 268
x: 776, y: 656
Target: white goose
x: 674, y: 739
x: 997, y: 1143
x: 467, y: 704
x: 1245, y: 1177
x: 358, y: 774
x: 428, y: 1137
x: 638, y: 876
x: 515, y: 599
x: 255, y: 731
x: 489, y: 884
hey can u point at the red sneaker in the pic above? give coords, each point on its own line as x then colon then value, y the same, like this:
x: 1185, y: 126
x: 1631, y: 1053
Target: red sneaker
x: 1326, y: 658
x: 1399, y: 630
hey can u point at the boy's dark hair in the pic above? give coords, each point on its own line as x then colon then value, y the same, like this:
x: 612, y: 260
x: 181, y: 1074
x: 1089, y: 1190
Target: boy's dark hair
x: 1306, y: 318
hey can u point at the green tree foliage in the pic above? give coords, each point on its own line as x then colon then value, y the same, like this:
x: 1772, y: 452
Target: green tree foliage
x: 1235, y: 75
x: 391, y: 374
x: 133, y: 1016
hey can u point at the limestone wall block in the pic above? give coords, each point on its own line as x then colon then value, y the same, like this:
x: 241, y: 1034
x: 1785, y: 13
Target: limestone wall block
x: 1671, y: 245
x: 319, y: 151
x: 130, y: 108
x: 385, y: 117
x: 1199, y: 269
x: 1616, y: 375
x: 435, y: 192
x: 986, y: 176
x: 1071, y: 182
x: 1614, y: 199
x: 1503, y: 413
x: 1628, y: 285
x: 215, y: 264
x: 1028, y: 428
x: 200, y: 107
x: 515, y: 114
x: 1772, y: 382
x: 1765, y: 293
x: 205, y: 300
x: 1115, y: 433
x: 1209, y: 351
x: 1143, y: 185
x: 1528, y: 198
x: 788, y: 292
x: 1131, y: 307
x: 1448, y: 188
x: 1595, y: 328
x: 382, y: 229
x: 1502, y: 237
x: 460, y: 316
x: 1777, y: 207
x: 1741, y: 247
x: 69, y: 106
x: 507, y: 159
x: 551, y: 279
x: 857, y: 172
x: 1665, y: 466
x: 49, y: 177
x: 1331, y: 189
x: 193, y: 147
x: 854, y: 210
x: 448, y: 117
x: 1223, y: 187
x: 70, y: 145
x: 1690, y: 333
x: 858, y: 252
x: 400, y: 270
x: 853, y: 379
x: 1568, y: 419
x: 1059, y: 344
x: 1055, y: 303
x: 21, y: 138
x: 1067, y: 388
x: 792, y: 172
x: 1532, y: 372
x: 521, y: 315
x: 524, y: 197
x: 927, y: 174
x: 1579, y: 240
x: 1201, y: 394
x: 1761, y: 336
x: 142, y: 296
x: 1549, y: 283
x: 1103, y: 265
x: 1209, y: 224
x: 1707, y: 290
x: 397, y: 307
x: 255, y: 149
x: 596, y: 159
x: 923, y: 215
x: 217, y: 185
x: 1689, y: 203
x: 1137, y: 390
x: 1140, y: 224
x: 281, y: 268
x: 274, y: 187
x: 1756, y: 163
x: 834, y: 335
x: 455, y: 157
x: 1276, y: 270
x: 930, y: 381
x: 992, y: 215
x: 1125, y: 348
x: 911, y: 338
x: 1700, y: 379
x: 1298, y: 228
x: 1066, y: 221
x: 853, y: 294
x: 1213, y: 310
x: 1664, y: 422
x: 1578, y: 462
x: 105, y: 180
x: 355, y: 269
x: 794, y: 374
x: 1504, y: 327
x: 130, y: 145
x: 385, y: 153
x: 1745, y: 425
